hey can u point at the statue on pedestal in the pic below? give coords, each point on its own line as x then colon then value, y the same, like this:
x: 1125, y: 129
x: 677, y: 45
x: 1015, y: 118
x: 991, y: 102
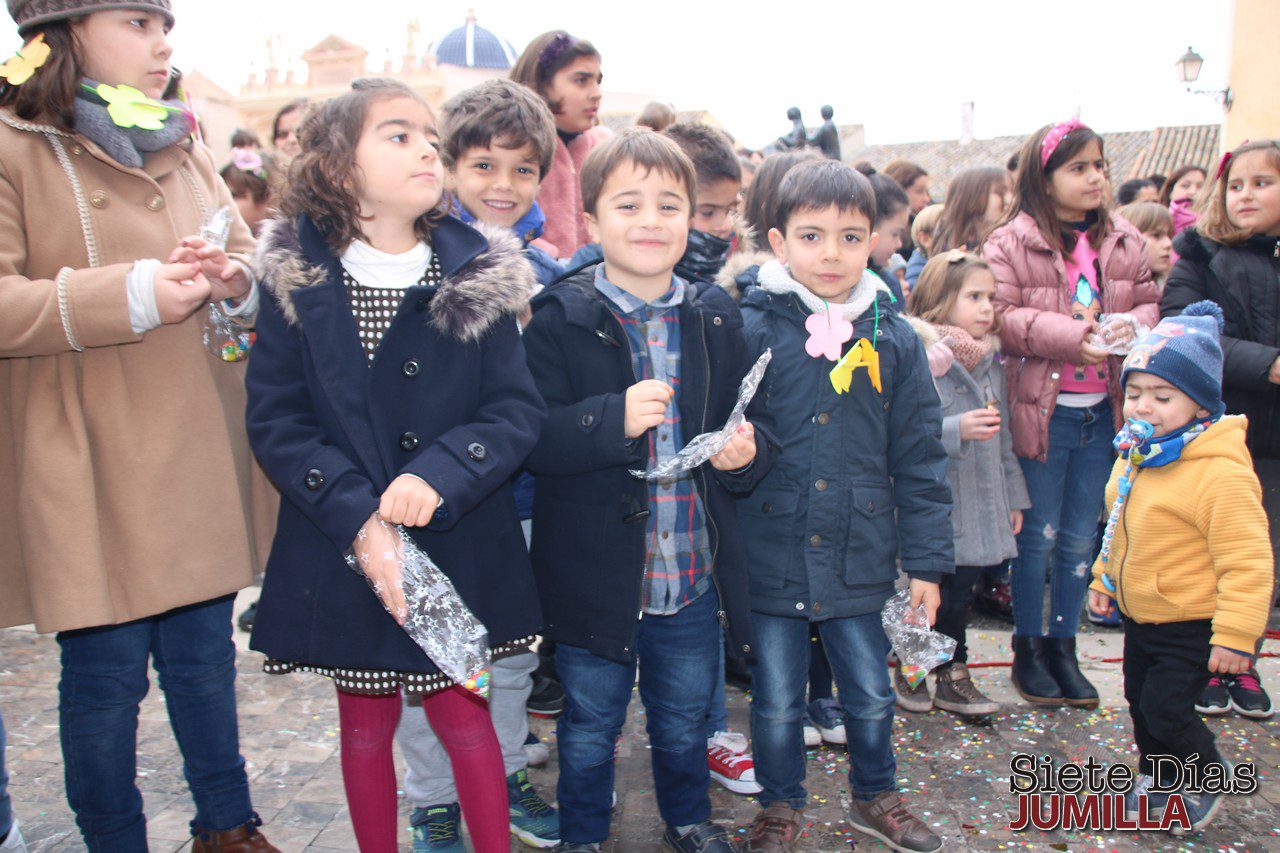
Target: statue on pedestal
x: 827, y: 137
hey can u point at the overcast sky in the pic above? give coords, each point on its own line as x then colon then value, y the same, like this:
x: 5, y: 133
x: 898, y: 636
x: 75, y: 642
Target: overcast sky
x: 901, y: 68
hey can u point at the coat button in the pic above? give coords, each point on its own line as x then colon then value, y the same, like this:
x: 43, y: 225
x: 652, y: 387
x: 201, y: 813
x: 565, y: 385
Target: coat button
x: 477, y: 452
x: 886, y: 405
x: 821, y: 485
x: 412, y: 367
x: 588, y: 419
x: 77, y: 149
x: 314, y: 479
x: 1053, y: 376
x: 746, y: 647
x: 716, y: 321
x: 156, y: 202
x: 99, y: 199
x: 824, y: 418
x: 408, y: 441
x: 766, y: 507
x: 799, y: 605
x: 871, y: 506
x: 815, y: 540
x: 817, y: 607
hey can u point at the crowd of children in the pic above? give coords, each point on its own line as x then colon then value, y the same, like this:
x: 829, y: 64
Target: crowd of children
x: 473, y: 328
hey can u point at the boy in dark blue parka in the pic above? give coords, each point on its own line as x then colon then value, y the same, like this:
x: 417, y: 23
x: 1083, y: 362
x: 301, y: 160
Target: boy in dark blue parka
x: 862, y: 482
x: 633, y: 362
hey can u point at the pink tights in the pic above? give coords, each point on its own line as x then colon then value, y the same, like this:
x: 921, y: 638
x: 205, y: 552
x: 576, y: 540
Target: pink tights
x: 461, y: 721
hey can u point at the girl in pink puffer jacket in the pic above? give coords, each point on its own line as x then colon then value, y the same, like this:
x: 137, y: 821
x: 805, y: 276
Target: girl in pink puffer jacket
x: 1065, y: 268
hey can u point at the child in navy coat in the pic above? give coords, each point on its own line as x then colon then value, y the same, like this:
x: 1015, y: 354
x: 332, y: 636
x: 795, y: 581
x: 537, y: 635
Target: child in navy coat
x: 388, y: 384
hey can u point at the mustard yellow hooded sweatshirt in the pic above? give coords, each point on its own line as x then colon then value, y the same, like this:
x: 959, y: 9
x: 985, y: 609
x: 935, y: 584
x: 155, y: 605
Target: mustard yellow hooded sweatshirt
x: 1192, y: 541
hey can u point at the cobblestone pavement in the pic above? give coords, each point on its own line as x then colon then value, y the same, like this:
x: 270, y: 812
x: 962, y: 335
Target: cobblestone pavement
x: 954, y: 774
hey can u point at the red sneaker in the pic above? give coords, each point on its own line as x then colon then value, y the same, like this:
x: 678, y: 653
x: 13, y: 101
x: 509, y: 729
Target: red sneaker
x: 729, y: 759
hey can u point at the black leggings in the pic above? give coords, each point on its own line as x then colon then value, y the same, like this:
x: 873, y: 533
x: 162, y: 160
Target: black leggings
x: 957, y: 596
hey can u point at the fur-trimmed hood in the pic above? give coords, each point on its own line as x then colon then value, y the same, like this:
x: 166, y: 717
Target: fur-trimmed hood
x: 477, y: 292
x: 739, y: 262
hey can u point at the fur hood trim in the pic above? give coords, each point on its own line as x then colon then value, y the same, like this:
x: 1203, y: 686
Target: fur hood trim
x: 924, y: 330
x: 497, y: 283
x: 738, y: 263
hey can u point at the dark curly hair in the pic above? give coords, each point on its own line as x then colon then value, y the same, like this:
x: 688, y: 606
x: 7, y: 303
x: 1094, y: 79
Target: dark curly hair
x: 323, y: 180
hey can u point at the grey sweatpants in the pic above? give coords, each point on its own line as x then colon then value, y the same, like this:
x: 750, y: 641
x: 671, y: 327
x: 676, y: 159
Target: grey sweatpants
x: 429, y: 779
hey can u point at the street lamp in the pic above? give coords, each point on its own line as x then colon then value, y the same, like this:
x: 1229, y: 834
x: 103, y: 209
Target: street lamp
x: 1189, y: 71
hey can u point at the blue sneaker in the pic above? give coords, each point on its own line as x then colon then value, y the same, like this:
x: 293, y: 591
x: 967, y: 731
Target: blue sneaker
x: 532, y: 821
x: 1142, y: 786
x: 1200, y: 808
x: 437, y: 829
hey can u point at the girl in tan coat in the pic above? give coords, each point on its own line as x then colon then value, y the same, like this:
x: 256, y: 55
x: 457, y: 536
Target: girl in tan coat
x: 126, y: 516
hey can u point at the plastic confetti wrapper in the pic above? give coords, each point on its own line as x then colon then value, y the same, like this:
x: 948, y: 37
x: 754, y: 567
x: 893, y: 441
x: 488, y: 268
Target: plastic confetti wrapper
x: 704, y: 446
x: 919, y: 648
x: 224, y: 337
x: 435, y: 616
x: 1118, y: 347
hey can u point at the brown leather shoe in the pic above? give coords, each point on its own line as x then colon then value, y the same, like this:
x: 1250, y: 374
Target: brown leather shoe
x: 886, y: 817
x: 242, y: 839
x: 775, y: 830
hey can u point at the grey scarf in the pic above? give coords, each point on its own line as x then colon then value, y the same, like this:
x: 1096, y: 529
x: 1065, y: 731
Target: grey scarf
x: 127, y: 145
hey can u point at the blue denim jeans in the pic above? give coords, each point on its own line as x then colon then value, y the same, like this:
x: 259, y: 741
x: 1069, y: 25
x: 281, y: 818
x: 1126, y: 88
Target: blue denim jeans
x: 1067, y: 492
x: 718, y: 711
x: 856, y: 648
x: 104, y: 678
x: 679, y: 664
x: 6, y: 806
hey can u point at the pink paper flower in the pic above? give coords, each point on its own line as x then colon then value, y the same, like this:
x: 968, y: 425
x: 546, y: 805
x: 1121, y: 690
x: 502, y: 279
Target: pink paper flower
x: 827, y: 333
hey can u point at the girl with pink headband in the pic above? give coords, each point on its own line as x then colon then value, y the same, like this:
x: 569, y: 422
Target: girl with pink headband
x: 1073, y: 288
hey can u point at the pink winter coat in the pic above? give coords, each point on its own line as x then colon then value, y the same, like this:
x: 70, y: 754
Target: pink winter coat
x: 1039, y: 335
x: 560, y: 196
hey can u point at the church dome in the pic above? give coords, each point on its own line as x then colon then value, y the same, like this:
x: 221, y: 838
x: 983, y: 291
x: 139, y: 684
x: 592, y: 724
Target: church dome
x: 472, y: 46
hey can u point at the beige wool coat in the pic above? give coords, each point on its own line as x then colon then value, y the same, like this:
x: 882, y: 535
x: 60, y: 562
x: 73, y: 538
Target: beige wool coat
x: 126, y: 483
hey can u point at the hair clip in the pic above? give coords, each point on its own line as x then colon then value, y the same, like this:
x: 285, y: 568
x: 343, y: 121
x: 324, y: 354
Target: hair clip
x: 18, y: 68
x: 1054, y: 138
x: 550, y: 53
x: 1225, y: 162
x: 249, y: 161
x: 955, y: 256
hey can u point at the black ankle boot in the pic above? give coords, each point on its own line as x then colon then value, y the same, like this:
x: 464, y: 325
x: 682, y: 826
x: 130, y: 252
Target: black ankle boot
x: 1076, y: 689
x: 1031, y: 677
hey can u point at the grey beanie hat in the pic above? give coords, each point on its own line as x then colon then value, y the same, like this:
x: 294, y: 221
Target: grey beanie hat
x: 30, y: 14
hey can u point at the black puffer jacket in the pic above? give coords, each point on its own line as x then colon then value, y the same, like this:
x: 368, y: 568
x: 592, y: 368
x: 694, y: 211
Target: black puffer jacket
x: 1245, y: 281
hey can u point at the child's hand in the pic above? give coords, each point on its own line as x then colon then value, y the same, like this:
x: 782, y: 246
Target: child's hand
x: 1101, y: 604
x: 739, y: 452
x: 1228, y: 662
x: 1089, y: 354
x: 1274, y: 375
x: 940, y: 357
x: 378, y: 551
x: 928, y: 594
x: 1118, y: 331
x: 227, y: 278
x: 646, y: 406
x: 180, y: 291
x: 1015, y: 521
x: 409, y: 501
x: 979, y: 425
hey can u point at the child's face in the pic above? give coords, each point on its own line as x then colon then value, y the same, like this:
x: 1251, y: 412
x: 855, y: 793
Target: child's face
x: 717, y: 208
x: 997, y: 203
x: 251, y: 211
x: 918, y: 194
x: 1077, y: 186
x: 400, y: 173
x: 125, y: 46
x: 891, y: 229
x: 286, y: 141
x: 826, y: 249
x: 1253, y: 193
x: 1147, y: 193
x: 1152, y: 399
x: 1159, y: 251
x: 641, y: 221
x: 495, y: 184
x: 576, y: 88
x: 975, y: 310
x: 1188, y: 186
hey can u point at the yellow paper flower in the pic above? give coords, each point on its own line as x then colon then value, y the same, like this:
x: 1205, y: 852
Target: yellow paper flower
x: 18, y: 68
x: 861, y: 354
x: 130, y: 108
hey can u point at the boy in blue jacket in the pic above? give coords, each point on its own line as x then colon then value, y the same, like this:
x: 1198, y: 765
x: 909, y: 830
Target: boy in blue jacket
x: 863, y: 472
x: 633, y: 362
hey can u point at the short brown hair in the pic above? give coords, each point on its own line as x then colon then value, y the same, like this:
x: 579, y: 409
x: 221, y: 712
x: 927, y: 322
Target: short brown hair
x: 710, y: 150
x: 904, y: 172
x: 498, y: 112
x: 642, y: 148
x: 1214, y: 222
x: 936, y: 291
x: 546, y: 55
x: 322, y: 179
x: 1149, y: 217
x: 657, y: 115
x: 820, y: 184
x: 50, y: 95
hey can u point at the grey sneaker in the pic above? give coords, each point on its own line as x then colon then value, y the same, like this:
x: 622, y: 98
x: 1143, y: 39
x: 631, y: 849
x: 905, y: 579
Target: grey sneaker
x: 910, y: 698
x: 956, y: 692
x: 886, y: 818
